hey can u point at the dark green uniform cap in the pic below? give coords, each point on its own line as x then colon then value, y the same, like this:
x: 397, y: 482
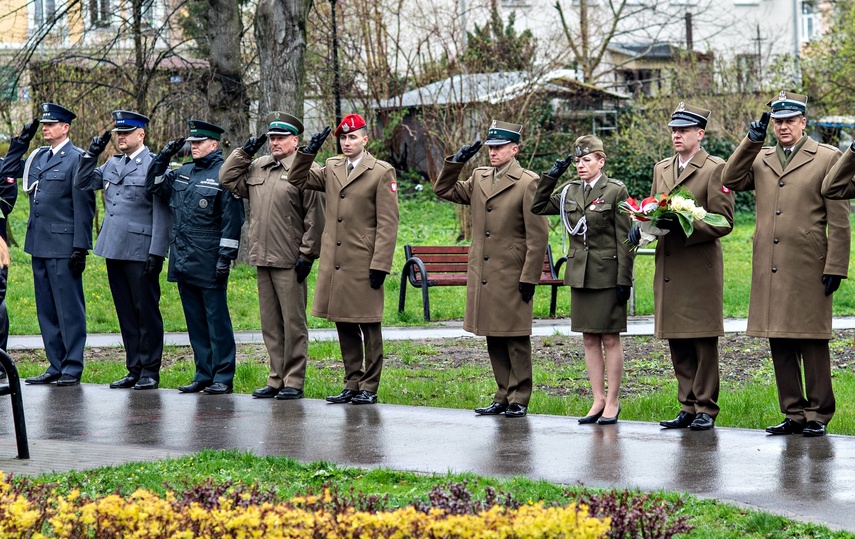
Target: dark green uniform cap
x: 788, y: 104
x: 503, y: 133
x: 689, y: 116
x: 200, y: 130
x: 587, y: 144
x: 280, y: 123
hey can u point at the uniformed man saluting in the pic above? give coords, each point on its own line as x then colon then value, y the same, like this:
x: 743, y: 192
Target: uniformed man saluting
x: 801, y: 252
x: 59, y: 236
x: 134, y: 239
x: 356, y: 250
x: 505, y: 259
x: 205, y: 239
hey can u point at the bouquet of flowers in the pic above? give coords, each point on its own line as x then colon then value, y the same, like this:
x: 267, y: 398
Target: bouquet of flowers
x: 680, y: 204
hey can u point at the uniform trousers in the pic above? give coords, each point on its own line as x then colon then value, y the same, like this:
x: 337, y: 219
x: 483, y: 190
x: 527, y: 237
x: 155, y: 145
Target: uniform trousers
x: 353, y: 338
x: 61, y: 311
x: 696, y: 367
x: 210, y: 329
x: 816, y: 402
x: 511, y: 360
x: 137, y: 300
x: 282, y: 302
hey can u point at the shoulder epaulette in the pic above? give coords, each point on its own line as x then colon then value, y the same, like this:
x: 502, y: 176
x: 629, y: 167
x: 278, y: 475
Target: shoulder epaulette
x: 616, y: 182
x: 716, y: 159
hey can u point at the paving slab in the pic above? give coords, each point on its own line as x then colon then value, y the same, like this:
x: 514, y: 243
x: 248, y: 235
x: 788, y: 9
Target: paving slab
x: 801, y: 478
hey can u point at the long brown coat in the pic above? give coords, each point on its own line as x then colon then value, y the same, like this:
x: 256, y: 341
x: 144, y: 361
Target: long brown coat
x: 601, y: 259
x: 689, y: 277
x: 791, y: 247
x: 284, y: 222
x: 360, y: 233
x: 839, y: 184
x: 508, y: 246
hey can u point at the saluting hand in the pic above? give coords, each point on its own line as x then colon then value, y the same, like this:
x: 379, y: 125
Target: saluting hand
x: 99, y: 143
x: 29, y: 131
x: 757, y: 129
x: 561, y: 166
x: 316, y: 141
x: 467, y: 151
x: 172, y: 147
x: 253, y: 144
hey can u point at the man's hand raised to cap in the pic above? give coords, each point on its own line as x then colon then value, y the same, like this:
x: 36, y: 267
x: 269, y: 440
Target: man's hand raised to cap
x: 99, y: 143
x: 757, y: 129
x: 466, y: 152
x: 316, y: 141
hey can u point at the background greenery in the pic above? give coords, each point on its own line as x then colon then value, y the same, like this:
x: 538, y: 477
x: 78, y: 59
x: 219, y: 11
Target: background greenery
x: 424, y: 220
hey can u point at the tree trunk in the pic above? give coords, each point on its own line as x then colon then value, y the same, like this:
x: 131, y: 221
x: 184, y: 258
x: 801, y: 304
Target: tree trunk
x: 280, y: 35
x: 226, y: 92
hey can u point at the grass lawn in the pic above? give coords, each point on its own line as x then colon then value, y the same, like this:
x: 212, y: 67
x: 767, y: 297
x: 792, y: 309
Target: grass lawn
x: 286, y: 477
x: 424, y: 221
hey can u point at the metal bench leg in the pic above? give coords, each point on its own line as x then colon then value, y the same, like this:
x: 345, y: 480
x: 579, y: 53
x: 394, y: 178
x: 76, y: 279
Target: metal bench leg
x: 553, y: 301
x: 14, y: 390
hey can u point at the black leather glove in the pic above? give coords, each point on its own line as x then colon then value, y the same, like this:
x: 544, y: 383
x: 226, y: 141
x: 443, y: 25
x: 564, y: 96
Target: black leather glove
x: 316, y: 141
x: 623, y: 293
x: 561, y: 166
x: 466, y: 152
x: 852, y: 146
x: 153, y: 265
x: 757, y: 129
x: 172, y: 147
x: 99, y: 143
x: 224, y: 266
x: 29, y: 131
x: 253, y: 144
x: 376, y: 277
x: 77, y: 262
x: 527, y: 291
x: 831, y: 282
x: 303, y: 269
x: 634, y: 236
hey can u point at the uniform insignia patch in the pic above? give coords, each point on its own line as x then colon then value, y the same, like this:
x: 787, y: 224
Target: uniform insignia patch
x: 203, y: 203
x: 10, y: 179
x: 724, y: 189
x: 138, y: 161
x: 394, y: 186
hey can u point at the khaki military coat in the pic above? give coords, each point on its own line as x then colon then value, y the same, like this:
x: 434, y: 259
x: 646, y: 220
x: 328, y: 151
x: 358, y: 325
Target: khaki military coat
x: 689, y: 277
x: 601, y: 258
x: 839, y: 184
x: 799, y: 237
x: 284, y: 222
x: 508, y: 245
x: 360, y: 234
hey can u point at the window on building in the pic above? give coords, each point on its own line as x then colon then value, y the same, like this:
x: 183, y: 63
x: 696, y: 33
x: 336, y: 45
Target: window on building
x: 748, y: 72
x: 148, y: 14
x: 8, y: 84
x: 641, y: 81
x: 99, y: 12
x: 43, y: 11
x: 811, y: 27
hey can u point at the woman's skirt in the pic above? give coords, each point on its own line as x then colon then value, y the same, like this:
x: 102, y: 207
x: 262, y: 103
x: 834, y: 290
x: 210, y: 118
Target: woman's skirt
x: 596, y: 311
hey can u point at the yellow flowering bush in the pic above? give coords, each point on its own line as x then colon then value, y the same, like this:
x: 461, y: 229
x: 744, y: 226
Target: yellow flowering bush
x: 144, y: 515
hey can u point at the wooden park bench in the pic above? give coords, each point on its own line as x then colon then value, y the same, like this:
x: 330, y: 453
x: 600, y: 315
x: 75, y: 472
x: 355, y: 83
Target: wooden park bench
x: 446, y: 265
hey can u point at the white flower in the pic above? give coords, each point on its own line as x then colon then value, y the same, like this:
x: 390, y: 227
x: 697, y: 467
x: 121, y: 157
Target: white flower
x: 699, y: 213
x: 681, y: 204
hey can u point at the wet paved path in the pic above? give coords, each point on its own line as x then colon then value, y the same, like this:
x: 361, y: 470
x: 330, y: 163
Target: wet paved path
x: 802, y: 478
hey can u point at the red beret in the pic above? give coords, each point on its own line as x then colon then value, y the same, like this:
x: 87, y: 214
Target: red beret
x: 349, y: 123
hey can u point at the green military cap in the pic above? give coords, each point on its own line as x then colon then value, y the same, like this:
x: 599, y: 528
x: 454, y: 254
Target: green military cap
x: 588, y: 144
x: 503, y: 133
x: 200, y: 130
x: 689, y: 116
x: 280, y: 123
x: 788, y: 104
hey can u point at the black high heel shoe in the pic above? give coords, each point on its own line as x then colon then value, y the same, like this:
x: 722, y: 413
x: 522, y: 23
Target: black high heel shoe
x: 609, y: 420
x: 588, y: 419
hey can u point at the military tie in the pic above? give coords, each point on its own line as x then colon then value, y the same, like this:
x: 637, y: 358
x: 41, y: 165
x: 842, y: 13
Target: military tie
x: 680, y: 169
x: 788, y: 152
x: 126, y: 159
x: 349, y: 169
x: 586, y: 190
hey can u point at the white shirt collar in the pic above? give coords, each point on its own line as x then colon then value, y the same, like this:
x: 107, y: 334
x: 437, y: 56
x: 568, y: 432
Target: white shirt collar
x: 593, y: 182
x: 356, y: 162
x: 55, y: 149
x: 136, y: 153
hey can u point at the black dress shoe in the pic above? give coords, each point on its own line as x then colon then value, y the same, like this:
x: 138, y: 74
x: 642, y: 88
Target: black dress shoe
x: 494, y: 409
x: 702, y: 422
x: 44, y: 378
x: 813, y: 429
x: 194, y: 387
x: 67, y: 380
x: 364, y: 397
x: 609, y: 420
x: 218, y: 388
x: 146, y: 382
x: 289, y: 393
x: 787, y: 427
x: 588, y: 419
x: 683, y: 420
x: 265, y: 392
x: 342, y: 397
x: 124, y: 383
x: 515, y: 410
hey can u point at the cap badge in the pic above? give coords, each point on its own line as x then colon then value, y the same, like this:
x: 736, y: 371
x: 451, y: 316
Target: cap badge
x: 203, y: 203
x: 578, y: 151
x: 345, y: 127
x: 681, y: 107
x: 118, y: 115
x: 782, y: 95
x: 45, y: 107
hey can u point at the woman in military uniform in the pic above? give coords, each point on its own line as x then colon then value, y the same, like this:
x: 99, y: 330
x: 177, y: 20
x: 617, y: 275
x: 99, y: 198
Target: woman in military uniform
x: 599, y: 266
